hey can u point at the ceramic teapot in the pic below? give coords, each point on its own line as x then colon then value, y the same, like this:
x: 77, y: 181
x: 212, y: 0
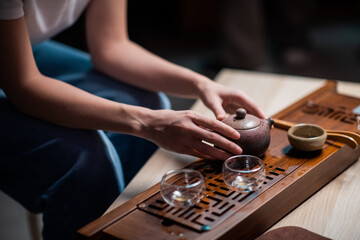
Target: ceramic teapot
x: 254, y: 132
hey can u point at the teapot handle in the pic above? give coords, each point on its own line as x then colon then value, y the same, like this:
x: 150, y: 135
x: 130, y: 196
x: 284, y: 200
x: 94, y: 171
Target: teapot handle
x: 282, y: 124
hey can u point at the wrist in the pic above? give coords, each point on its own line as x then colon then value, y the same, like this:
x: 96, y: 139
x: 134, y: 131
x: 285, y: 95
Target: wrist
x: 201, y: 84
x: 134, y: 120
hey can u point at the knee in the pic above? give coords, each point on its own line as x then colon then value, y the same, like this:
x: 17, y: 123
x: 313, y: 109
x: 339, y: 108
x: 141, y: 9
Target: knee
x: 98, y: 157
x: 85, y: 191
x: 66, y: 163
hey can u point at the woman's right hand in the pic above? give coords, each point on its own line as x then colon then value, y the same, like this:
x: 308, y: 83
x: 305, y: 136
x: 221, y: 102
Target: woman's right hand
x: 184, y: 132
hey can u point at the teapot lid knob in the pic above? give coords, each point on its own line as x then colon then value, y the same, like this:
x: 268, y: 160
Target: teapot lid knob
x: 241, y: 120
x: 240, y: 113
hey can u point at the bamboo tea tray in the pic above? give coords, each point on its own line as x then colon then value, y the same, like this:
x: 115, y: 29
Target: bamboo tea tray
x: 291, y: 178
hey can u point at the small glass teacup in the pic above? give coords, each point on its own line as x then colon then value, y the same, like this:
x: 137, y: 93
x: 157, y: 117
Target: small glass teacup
x: 244, y: 173
x: 182, y: 187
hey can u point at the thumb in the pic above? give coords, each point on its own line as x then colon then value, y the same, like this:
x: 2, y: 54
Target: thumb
x: 214, y: 103
x: 218, y: 110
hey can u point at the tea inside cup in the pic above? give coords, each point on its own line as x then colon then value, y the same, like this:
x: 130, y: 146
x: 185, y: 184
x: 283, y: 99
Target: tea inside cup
x: 307, y: 137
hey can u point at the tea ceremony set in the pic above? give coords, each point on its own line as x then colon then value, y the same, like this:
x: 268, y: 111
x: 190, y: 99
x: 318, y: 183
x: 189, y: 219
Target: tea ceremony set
x: 299, y: 167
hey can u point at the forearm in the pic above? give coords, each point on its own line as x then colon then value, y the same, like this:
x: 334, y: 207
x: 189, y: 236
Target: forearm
x: 133, y: 64
x: 114, y: 54
x: 60, y: 103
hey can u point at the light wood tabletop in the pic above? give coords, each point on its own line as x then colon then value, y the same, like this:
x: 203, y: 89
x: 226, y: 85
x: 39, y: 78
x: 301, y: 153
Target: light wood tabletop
x: 334, y: 211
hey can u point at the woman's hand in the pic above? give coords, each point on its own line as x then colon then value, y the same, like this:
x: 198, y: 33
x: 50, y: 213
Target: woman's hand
x: 185, y: 131
x: 222, y: 100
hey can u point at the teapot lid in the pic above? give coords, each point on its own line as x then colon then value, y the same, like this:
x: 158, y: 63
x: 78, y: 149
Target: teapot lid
x: 241, y: 120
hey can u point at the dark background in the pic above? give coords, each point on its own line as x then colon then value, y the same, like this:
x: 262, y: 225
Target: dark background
x: 309, y: 38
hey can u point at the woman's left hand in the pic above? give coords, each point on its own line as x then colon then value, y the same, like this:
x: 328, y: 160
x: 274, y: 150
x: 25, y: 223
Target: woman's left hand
x: 222, y: 100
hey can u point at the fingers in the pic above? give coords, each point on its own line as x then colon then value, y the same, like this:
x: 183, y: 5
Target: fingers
x: 217, y: 126
x: 215, y: 137
x: 219, y: 141
x: 184, y: 131
x: 195, y: 153
x: 220, y: 113
x: 217, y: 108
x: 199, y: 148
x: 241, y: 99
x: 236, y: 98
x: 257, y: 111
x: 252, y: 107
x: 219, y: 136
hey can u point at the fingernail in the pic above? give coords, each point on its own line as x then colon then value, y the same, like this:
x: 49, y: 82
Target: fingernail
x: 236, y: 135
x: 239, y: 149
x: 221, y: 117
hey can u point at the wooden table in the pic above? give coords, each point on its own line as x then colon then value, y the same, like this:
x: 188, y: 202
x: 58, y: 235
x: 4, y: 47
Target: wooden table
x: 334, y: 211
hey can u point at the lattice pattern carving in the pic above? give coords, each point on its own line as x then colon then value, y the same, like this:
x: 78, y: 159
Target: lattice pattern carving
x: 219, y: 202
